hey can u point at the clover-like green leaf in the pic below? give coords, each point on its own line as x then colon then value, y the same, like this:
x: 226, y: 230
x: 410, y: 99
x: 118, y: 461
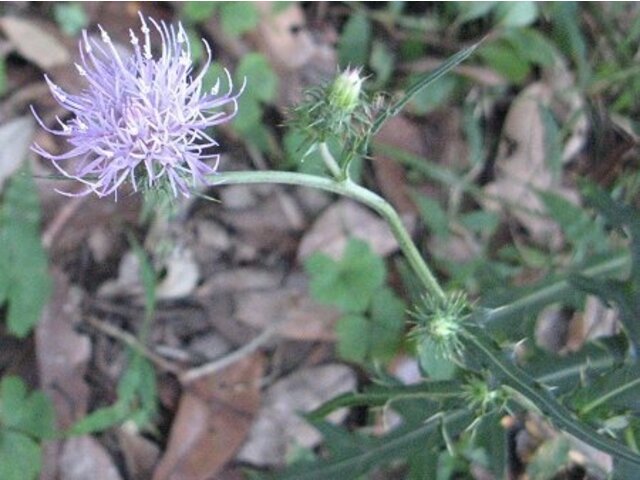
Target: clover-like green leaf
x: 349, y: 283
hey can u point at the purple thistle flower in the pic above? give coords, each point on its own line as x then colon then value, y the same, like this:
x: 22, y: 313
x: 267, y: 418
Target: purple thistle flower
x: 140, y: 118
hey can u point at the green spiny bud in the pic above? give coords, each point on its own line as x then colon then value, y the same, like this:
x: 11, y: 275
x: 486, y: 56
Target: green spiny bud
x: 345, y: 91
x: 441, y: 322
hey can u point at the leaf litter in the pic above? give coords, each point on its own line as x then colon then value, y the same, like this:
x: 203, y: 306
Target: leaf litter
x: 238, y: 271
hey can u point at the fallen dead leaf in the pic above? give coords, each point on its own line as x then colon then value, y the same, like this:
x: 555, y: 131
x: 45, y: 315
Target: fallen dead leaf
x: 298, y: 57
x: 182, y: 275
x: 34, y: 43
x: 83, y: 458
x: 522, y: 168
x: 140, y: 455
x: 62, y: 356
x: 278, y: 428
x: 397, y: 132
x: 213, y: 420
x: 240, y: 280
x: 343, y: 220
x: 15, y: 138
x: 284, y: 36
x: 290, y: 307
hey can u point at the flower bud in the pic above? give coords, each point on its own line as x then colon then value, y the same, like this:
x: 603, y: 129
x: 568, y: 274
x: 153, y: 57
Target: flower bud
x: 345, y: 91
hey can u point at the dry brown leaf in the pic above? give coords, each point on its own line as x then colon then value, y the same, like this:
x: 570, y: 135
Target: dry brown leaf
x: 522, y: 167
x: 213, y: 419
x: 63, y: 355
x: 240, y: 280
x: 34, y: 43
x: 278, y: 429
x: 182, y: 275
x: 140, y: 455
x: 83, y: 458
x: 397, y: 132
x: 343, y: 220
x: 298, y: 57
x: 15, y: 138
x: 290, y: 307
x: 283, y: 35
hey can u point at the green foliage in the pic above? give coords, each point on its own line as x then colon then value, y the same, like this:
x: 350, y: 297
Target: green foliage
x: 373, y: 324
x: 579, y: 228
x: 4, y: 82
x: 515, y: 14
x: 259, y: 74
x: 71, y: 17
x: 137, y: 400
x: 429, y: 99
x: 199, y: 11
x: 262, y: 87
x: 137, y: 390
x: 237, y: 18
x: 25, y: 420
x: 349, y: 283
x: 382, y: 63
x: 352, y: 454
x: 299, y: 156
x: 24, y: 280
x: 375, y: 336
x: 623, y: 293
x: 550, y: 458
x: 355, y: 41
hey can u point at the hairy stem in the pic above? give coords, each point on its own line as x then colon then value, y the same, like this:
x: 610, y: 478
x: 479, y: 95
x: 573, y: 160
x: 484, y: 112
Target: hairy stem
x: 352, y: 190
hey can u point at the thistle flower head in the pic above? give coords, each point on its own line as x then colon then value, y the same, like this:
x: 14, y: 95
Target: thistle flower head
x: 141, y: 118
x: 344, y: 93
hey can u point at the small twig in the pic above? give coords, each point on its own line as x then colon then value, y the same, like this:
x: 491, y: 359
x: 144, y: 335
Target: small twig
x: 60, y: 220
x: 221, y: 363
x: 130, y: 340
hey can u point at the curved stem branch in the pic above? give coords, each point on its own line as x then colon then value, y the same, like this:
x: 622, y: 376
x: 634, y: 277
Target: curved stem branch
x: 349, y: 189
x: 330, y: 161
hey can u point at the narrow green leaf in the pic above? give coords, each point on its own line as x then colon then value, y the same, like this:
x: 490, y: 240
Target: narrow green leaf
x: 101, y: 419
x: 379, y: 395
x: 617, y: 390
x: 491, y: 357
x: 422, y: 82
x: 3, y: 76
x: 400, y: 443
x: 491, y: 437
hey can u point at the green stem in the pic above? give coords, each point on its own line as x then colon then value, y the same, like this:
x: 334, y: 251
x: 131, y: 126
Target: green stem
x: 330, y: 161
x: 352, y: 190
